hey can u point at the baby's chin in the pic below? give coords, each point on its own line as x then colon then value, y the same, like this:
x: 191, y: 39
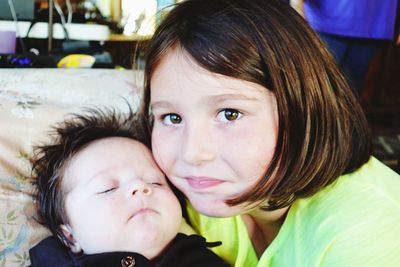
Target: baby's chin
x: 148, y: 238
x: 156, y: 250
x: 150, y: 250
x: 151, y: 243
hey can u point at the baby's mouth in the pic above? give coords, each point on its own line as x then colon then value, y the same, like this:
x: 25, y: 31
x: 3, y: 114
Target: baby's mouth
x: 141, y: 212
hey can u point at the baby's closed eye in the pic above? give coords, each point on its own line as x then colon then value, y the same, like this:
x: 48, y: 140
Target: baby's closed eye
x: 107, y: 190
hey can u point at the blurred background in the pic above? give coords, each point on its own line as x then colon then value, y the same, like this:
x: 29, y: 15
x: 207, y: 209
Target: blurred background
x: 112, y: 31
x: 114, y: 34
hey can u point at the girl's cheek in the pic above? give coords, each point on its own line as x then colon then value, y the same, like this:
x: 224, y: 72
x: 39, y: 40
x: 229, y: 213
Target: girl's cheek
x: 162, y: 153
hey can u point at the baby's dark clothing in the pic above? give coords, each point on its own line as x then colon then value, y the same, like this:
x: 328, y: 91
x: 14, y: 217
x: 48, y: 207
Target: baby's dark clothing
x: 185, y: 251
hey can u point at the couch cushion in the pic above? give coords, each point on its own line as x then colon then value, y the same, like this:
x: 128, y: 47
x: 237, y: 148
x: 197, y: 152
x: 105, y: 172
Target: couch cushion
x: 31, y: 100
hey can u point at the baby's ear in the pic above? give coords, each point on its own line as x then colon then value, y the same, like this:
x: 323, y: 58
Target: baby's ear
x: 68, y: 239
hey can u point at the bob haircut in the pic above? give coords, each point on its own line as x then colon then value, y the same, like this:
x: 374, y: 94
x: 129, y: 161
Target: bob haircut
x: 322, y: 130
x: 67, y: 139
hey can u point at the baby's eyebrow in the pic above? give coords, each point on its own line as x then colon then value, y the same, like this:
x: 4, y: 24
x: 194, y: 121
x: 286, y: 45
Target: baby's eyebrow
x: 98, y: 176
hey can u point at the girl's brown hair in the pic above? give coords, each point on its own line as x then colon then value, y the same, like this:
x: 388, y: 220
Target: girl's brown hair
x: 322, y: 130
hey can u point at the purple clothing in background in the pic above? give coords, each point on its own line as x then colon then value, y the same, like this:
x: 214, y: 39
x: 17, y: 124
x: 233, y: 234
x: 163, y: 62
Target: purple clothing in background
x: 373, y: 19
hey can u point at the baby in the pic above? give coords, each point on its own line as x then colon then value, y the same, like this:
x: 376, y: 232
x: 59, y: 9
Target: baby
x: 105, y: 200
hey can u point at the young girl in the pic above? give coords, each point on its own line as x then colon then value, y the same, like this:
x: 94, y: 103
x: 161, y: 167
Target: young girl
x: 253, y: 121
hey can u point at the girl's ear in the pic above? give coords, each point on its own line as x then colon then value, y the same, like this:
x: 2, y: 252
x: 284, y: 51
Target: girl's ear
x: 67, y: 238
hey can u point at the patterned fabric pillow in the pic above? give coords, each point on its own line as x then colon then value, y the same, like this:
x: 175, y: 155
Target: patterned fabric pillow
x: 31, y: 100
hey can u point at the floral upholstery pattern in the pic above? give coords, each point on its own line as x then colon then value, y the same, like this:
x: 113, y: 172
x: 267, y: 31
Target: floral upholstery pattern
x: 31, y: 100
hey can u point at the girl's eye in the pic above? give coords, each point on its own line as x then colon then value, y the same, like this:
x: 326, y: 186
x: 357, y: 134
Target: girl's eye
x: 170, y: 119
x: 229, y: 114
x: 107, y: 190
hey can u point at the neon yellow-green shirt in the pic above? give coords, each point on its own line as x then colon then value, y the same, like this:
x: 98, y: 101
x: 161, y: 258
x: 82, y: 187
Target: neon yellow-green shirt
x: 353, y: 222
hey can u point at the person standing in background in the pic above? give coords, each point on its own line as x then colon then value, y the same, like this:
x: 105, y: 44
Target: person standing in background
x: 352, y: 30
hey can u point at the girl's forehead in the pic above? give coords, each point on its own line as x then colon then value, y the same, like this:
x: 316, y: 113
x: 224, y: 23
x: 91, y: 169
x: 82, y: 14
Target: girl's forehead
x: 176, y: 62
x: 177, y: 73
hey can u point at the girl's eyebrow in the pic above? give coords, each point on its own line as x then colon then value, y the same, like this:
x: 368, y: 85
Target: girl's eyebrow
x: 228, y: 97
x: 215, y: 99
x: 160, y: 105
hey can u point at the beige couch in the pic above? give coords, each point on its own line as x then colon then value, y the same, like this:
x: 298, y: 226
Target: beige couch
x: 30, y: 101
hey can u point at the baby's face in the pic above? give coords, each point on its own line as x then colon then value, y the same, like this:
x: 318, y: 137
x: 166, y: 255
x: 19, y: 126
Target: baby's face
x: 117, y: 199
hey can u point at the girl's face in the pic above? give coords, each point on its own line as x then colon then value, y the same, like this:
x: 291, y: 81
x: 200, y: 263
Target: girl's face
x: 213, y: 136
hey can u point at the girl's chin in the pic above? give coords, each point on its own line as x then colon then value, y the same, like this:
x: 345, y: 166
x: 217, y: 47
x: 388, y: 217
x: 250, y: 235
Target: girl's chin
x: 214, y: 209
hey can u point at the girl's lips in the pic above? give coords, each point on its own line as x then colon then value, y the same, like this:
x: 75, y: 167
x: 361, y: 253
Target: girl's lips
x: 202, y: 182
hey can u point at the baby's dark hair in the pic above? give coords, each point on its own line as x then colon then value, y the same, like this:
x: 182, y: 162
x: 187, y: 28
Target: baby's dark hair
x: 68, y: 138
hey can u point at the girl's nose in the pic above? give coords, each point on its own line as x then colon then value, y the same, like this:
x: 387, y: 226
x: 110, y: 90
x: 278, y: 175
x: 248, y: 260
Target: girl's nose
x: 145, y: 190
x: 197, y: 146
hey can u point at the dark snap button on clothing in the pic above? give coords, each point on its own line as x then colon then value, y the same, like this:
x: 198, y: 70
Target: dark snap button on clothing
x: 128, y: 261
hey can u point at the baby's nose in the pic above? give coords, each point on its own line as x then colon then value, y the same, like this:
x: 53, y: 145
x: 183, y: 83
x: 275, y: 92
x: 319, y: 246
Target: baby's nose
x: 146, y: 190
